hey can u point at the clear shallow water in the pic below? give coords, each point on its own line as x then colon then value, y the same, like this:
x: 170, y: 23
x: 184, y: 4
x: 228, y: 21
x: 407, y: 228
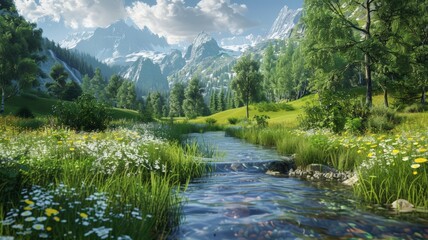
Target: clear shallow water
x: 239, y: 201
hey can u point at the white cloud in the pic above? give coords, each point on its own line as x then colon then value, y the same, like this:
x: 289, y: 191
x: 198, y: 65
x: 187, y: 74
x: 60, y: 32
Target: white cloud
x: 75, y: 13
x: 177, y: 22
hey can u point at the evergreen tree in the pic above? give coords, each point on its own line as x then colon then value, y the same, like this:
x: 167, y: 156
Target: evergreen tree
x: 193, y: 104
x: 127, y: 96
x: 59, y: 77
x: 213, y: 102
x: 98, y: 85
x: 221, y: 104
x: 157, y: 103
x: 268, y: 71
x: 72, y: 91
x: 112, y: 89
x: 176, y: 99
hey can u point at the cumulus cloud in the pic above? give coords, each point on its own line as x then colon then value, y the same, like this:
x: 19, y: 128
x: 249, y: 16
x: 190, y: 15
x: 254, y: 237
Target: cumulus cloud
x: 177, y: 22
x: 75, y: 13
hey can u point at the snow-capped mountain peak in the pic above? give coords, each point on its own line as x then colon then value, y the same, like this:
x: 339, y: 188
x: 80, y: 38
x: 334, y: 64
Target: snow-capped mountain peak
x: 73, y: 39
x: 284, y: 23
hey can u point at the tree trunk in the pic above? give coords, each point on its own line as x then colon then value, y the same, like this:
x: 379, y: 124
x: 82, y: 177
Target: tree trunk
x: 367, y: 61
x: 2, y: 101
x: 385, y: 97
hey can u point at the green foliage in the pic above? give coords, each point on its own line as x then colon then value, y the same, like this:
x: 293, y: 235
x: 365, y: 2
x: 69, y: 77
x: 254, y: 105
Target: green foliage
x: 415, y: 108
x: 354, y: 125
x: 59, y: 77
x: 176, y: 98
x: 248, y: 80
x: 261, y: 121
x: 126, y: 95
x: 20, y: 42
x: 72, y: 91
x: 24, y: 112
x: 273, y: 107
x: 233, y: 120
x: 112, y: 89
x: 85, y: 114
x: 210, y: 121
x: 332, y: 111
x: 193, y: 104
x: 382, y: 119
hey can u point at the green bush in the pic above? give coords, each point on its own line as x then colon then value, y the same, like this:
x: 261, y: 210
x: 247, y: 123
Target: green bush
x: 332, y: 112
x: 354, y: 125
x: 24, y: 112
x: 233, y: 120
x: 382, y: 119
x: 273, y: 107
x: 415, y: 108
x: 210, y: 121
x: 261, y: 121
x: 86, y: 114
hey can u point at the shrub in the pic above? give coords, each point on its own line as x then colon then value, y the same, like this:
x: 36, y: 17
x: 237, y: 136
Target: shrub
x: 273, y: 107
x: 382, y: 119
x: 24, y: 112
x: 210, y: 121
x: 332, y: 111
x: 233, y: 120
x: 415, y: 108
x: 261, y: 121
x: 85, y: 114
x: 354, y: 125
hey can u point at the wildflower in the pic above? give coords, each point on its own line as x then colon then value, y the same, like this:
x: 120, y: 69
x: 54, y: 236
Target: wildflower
x: 29, y: 219
x: 72, y: 149
x: 370, y: 155
x: 38, y: 226
x: 41, y: 219
x: 51, y: 211
x: 416, y: 165
x: 422, y: 150
x: 29, y: 202
x: 421, y: 160
x: 59, y: 142
x: 18, y: 226
x: 48, y: 229
x: 28, y: 208
x: 83, y: 215
x: 26, y: 213
x: 415, y: 172
x: 405, y: 159
x: 395, y: 152
x: 57, y: 219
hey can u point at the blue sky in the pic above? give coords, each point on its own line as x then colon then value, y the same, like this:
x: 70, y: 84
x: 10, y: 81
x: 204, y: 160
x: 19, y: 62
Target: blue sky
x: 177, y: 20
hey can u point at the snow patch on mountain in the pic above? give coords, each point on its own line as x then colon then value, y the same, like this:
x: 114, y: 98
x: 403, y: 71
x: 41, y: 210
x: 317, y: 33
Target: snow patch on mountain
x: 285, y: 23
x: 73, y: 39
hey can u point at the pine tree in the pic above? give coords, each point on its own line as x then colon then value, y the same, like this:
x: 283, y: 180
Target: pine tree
x: 176, y: 99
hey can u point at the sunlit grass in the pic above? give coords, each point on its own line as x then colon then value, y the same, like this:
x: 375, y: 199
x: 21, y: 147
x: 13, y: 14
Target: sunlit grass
x: 137, y: 175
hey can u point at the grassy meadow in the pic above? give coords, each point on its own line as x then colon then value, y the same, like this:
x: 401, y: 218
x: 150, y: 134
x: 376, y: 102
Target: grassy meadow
x: 123, y: 183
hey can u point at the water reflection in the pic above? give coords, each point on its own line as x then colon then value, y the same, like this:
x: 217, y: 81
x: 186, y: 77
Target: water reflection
x: 248, y: 204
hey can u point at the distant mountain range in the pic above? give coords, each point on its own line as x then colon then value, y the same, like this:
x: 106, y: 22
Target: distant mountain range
x: 149, y: 61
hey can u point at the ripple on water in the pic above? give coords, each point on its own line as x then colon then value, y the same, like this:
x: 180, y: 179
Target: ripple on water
x: 251, y: 205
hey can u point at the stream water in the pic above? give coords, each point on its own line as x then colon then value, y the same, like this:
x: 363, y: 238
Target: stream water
x: 239, y: 201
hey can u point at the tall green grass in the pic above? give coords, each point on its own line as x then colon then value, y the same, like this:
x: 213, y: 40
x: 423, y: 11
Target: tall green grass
x: 306, y: 148
x: 128, y: 168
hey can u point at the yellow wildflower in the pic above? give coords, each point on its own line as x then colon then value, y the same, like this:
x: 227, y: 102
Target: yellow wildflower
x: 72, y: 149
x: 28, y: 208
x: 57, y: 219
x: 395, y: 152
x: 83, y: 215
x: 51, y: 211
x: 48, y: 229
x: 415, y: 172
x: 421, y: 160
x: 29, y: 202
x: 422, y: 150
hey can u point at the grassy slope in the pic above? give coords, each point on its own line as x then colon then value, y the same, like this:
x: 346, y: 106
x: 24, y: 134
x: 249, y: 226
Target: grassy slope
x: 43, y: 106
x: 290, y: 118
